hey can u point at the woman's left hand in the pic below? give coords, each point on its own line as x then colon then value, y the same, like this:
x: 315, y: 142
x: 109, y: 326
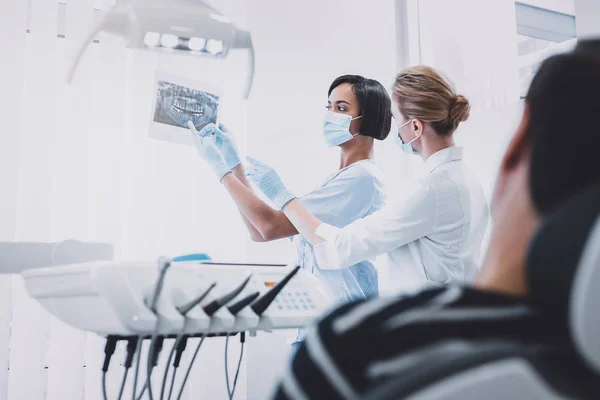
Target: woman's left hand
x: 266, y: 179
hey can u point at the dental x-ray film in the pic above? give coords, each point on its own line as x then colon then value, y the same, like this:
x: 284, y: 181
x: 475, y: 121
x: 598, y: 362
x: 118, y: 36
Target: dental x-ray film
x: 179, y: 100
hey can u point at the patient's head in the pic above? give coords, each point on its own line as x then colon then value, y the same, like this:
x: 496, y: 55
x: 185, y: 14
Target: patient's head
x: 552, y: 156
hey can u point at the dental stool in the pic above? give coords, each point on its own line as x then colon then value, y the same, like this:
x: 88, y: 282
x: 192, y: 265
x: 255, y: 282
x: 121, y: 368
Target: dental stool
x: 563, y: 270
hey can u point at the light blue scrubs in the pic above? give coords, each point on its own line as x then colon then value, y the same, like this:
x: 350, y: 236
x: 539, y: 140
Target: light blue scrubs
x: 345, y: 196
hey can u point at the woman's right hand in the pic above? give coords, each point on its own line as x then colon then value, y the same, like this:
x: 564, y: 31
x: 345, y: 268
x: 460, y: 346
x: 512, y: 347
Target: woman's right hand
x: 208, y: 150
x: 226, y: 143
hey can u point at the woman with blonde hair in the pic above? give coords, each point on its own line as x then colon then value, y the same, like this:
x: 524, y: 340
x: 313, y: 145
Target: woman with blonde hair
x: 433, y: 233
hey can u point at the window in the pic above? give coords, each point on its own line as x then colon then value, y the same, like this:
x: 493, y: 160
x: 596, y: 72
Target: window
x: 544, y: 28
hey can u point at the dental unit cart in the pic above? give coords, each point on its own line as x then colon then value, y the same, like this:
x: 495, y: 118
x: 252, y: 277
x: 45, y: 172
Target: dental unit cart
x: 182, y: 298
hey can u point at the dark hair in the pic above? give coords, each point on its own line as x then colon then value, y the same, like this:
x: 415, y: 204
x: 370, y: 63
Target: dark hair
x: 374, y: 102
x: 564, y: 106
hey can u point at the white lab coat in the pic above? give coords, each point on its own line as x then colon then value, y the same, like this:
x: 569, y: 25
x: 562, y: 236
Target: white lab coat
x: 432, y: 234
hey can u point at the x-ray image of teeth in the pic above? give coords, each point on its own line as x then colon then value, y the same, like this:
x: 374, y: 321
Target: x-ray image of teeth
x: 176, y: 105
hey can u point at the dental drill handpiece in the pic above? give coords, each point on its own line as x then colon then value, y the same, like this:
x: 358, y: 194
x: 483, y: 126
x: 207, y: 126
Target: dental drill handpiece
x: 163, y: 265
x: 156, y: 342
x: 238, y: 306
x: 265, y: 301
x: 215, y: 305
x: 184, y: 309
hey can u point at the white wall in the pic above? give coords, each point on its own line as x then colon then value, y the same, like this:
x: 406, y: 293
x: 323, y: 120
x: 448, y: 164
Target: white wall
x: 12, y: 20
x: 475, y: 44
x: 561, y: 6
x: 587, y: 17
x: 408, y: 38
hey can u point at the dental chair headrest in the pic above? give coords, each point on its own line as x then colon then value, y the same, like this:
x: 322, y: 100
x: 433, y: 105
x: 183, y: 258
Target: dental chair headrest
x: 563, y: 270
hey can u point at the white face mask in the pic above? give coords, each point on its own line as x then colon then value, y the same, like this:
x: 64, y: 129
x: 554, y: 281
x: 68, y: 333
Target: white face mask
x: 336, y: 128
x: 406, y: 147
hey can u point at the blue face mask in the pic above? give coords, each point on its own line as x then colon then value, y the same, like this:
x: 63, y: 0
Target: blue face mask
x: 406, y: 147
x: 336, y: 128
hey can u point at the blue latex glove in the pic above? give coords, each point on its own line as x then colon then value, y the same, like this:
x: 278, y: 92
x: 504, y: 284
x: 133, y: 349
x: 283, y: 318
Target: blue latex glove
x: 207, y: 148
x: 226, y: 143
x: 267, y: 180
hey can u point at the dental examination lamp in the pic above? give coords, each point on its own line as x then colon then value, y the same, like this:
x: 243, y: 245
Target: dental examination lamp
x: 187, y: 27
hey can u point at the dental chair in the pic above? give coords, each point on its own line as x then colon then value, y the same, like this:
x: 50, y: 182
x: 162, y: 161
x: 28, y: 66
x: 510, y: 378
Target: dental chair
x: 564, y: 275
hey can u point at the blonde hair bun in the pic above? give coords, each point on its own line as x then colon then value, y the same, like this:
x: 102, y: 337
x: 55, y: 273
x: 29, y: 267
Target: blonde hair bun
x: 460, y: 109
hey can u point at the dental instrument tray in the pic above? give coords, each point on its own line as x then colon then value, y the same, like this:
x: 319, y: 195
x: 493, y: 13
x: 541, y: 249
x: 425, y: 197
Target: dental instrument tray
x: 115, y: 297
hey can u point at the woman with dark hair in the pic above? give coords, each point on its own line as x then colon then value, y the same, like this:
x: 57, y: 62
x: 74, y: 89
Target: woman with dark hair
x: 358, y: 111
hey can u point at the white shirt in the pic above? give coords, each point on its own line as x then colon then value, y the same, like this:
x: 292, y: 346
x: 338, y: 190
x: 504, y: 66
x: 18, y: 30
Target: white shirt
x: 432, y: 234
